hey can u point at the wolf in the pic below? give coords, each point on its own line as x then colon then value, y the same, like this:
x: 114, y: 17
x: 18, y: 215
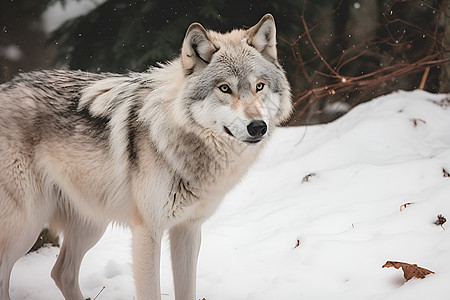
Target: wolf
x: 156, y: 151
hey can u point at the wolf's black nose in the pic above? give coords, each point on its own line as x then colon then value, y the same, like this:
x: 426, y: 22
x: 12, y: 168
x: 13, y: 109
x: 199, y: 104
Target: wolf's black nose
x: 257, y: 128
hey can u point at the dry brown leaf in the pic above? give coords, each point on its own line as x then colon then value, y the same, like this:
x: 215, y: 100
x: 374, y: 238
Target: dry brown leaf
x: 409, y: 270
x: 308, y: 177
x: 440, y: 220
x: 405, y: 205
x: 445, y: 173
x: 416, y: 121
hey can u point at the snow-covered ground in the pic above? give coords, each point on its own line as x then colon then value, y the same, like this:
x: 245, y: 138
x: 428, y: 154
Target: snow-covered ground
x: 316, y: 218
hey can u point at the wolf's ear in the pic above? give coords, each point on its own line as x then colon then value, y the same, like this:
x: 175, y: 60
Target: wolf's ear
x: 197, y: 48
x: 263, y: 37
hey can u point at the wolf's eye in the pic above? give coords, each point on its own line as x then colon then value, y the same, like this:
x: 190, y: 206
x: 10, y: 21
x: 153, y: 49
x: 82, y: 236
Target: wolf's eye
x: 224, y: 88
x: 259, y: 86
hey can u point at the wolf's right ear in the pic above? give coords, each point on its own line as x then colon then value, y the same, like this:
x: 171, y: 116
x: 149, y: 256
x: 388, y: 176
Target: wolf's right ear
x: 263, y: 37
x: 197, y: 48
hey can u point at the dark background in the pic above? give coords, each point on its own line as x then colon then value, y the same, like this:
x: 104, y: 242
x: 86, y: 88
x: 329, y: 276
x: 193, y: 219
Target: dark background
x: 335, y: 52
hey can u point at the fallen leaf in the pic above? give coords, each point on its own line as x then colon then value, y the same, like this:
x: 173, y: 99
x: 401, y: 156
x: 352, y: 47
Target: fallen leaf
x: 440, y: 220
x: 445, y: 173
x: 308, y: 177
x: 405, y: 205
x: 297, y: 244
x: 416, y: 121
x: 409, y: 270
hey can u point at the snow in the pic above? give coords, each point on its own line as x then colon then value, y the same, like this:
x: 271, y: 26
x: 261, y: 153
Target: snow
x: 11, y: 52
x: 58, y: 13
x: 282, y: 234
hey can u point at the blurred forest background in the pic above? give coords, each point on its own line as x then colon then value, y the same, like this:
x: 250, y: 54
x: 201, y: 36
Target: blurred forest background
x: 337, y: 53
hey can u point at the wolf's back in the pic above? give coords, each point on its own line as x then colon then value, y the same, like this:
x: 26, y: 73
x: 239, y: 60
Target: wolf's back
x: 44, y: 104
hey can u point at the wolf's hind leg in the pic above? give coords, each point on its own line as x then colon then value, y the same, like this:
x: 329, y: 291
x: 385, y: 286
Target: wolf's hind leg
x: 18, y: 232
x: 9, y: 256
x: 79, y: 236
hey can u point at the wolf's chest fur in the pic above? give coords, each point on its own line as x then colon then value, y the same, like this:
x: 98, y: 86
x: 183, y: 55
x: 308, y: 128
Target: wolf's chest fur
x: 199, y: 164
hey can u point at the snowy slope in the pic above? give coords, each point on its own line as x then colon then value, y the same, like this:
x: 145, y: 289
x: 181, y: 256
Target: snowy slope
x: 282, y: 234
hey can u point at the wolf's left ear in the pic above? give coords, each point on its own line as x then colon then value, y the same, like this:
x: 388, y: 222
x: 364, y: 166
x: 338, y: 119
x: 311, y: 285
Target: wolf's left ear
x: 263, y: 37
x: 197, y: 48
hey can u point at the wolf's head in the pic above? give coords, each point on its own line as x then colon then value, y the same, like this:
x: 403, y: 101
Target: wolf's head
x: 234, y: 83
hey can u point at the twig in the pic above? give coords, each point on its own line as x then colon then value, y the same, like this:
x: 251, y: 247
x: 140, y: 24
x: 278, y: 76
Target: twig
x: 371, y: 79
x: 357, y: 87
x: 321, y: 21
x: 315, y: 47
x: 95, y: 298
x: 424, y: 78
x: 352, y: 59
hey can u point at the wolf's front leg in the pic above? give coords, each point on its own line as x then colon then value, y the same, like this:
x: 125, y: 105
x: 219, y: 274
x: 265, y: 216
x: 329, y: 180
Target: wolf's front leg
x: 146, y: 261
x: 185, y: 245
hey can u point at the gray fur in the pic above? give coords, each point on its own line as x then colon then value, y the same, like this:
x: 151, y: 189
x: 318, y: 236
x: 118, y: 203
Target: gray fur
x: 155, y: 151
